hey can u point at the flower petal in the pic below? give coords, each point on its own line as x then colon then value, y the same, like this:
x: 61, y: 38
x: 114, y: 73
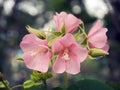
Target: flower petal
x: 63, y: 42
x: 105, y: 48
x: 57, y: 46
x: 38, y: 62
x: 59, y: 19
x: 71, y: 23
x: 99, y: 39
x: 72, y: 66
x: 78, y: 53
x: 59, y: 64
x: 97, y: 26
x: 31, y: 41
x: 67, y: 40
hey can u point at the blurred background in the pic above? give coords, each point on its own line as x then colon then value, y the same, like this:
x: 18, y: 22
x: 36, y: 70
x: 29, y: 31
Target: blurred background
x: 16, y: 14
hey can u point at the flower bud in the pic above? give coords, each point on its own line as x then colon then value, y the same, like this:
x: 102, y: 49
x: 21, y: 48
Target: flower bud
x: 94, y: 52
x: 38, y: 33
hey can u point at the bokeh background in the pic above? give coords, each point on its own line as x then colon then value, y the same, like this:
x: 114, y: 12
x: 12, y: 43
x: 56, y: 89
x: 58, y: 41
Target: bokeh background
x: 16, y: 14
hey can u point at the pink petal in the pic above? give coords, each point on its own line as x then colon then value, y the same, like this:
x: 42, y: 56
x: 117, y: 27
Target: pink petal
x: 63, y: 42
x: 31, y: 41
x: 97, y: 26
x: 99, y: 38
x: 105, y: 48
x: 78, y: 53
x: 71, y: 23
x: 57, y: 46
x: 72, y: 66
x: 59, y: 19
x: 67, y: 40
x: 39, y: 62
x: 59, y: 64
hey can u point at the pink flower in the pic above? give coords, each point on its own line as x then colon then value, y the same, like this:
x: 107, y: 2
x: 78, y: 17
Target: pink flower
x: 71, y: 22
x: 70, y: 55
x: 36, y: 53
x: 97, y: 36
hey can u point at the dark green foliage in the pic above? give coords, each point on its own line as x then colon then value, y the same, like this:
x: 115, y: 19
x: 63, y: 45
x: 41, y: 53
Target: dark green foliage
x: 114, y: 85
x: 57, y: 88
x: 36, y: 88
x: 73, y: 87
x: 88, y: 84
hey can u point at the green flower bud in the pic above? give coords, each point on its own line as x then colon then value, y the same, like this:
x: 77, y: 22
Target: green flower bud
x: 38, y: 33
x: 94, y: 52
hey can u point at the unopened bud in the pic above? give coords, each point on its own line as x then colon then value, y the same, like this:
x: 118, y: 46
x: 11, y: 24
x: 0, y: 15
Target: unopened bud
x: 94, y: 52
x: 38, y: 33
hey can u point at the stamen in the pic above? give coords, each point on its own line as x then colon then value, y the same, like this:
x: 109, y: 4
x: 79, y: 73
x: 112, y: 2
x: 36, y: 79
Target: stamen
x: 66, y: 55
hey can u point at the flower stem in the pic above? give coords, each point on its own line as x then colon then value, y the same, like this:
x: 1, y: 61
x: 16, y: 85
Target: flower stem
x: 66, y: 79
x: 86, y: 36
x: 16, y: 86
x: 83, y: 31
x: 45, y: 83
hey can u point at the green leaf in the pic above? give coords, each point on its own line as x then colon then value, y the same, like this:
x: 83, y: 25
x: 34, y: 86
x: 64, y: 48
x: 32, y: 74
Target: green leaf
x: 28, y: 84
x: 2, y: 85
x: 115, y: 85
x: 31, y: 83
x: 73, y: 87
x: 37, y: 76
x: 37, y: 83
x: 88, y: 84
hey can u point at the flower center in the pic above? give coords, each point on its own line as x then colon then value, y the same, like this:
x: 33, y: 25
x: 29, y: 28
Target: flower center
x: 66, y: 55
x: 39, y: 50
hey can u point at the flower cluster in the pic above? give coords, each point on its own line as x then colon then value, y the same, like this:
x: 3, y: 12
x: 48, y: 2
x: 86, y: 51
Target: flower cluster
x: 65, y: 49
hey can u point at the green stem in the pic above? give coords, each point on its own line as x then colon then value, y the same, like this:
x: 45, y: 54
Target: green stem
x: 86, y: 36
x: 16, y: 86
x: 66, y: 80
x: 45, y: 83
x: 83, y: 31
